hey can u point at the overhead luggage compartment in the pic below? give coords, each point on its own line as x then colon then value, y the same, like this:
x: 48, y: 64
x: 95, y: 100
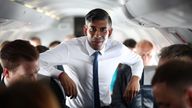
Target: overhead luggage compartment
x: 160, y: 13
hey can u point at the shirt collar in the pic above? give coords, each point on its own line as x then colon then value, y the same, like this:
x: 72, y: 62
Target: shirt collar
x: 91, y: 50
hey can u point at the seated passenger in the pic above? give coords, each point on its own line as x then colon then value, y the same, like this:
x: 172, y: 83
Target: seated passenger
x: 35, y: 41
x: 179, y: 51
x: 1, y: 68
x: 172, y: 84
x: 130, y: 43
x: 27, y: 95
x: 176, y: 51
x: 145, y: 49
x: 19, y: 61
x: 54, y: 44
x: 41, y: 48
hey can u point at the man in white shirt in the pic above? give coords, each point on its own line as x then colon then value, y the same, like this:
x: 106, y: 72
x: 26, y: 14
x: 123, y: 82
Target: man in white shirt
x: 77, y: 54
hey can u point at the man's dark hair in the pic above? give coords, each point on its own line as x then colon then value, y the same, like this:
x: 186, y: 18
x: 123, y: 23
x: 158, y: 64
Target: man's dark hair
x: 174, y: 73
x: 41, y: 48
x: 130, y: 43
x: 3, y: 43
x: 176, y: 51
x: 98, y: 14
x: 54, y: 43
x: 14, y: 52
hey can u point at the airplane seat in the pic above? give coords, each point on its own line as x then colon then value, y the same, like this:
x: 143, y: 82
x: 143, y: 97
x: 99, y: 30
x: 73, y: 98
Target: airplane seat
x: 58, y: 91
x: 56, y: 88
x: 145, y: 98
x: 148, y: 74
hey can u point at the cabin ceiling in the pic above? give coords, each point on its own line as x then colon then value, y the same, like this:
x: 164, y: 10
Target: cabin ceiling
x: 36, y: 16
x: 63, y: 8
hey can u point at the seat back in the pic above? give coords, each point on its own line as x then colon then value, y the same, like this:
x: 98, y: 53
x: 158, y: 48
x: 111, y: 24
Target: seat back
x: 148, y: 74
x: 145, y: 98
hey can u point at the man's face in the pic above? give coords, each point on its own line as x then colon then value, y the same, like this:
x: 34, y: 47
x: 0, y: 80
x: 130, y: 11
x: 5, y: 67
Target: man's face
x: 25, y: 71
x: 167, y: 97
x: 145, y: 51
x: 98, y: 33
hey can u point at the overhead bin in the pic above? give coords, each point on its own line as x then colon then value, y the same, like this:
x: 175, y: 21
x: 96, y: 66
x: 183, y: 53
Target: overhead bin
x: 18, y: 12
x: 160, y: 13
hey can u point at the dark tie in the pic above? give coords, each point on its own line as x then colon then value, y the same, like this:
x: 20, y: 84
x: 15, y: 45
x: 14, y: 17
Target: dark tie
x: 95, y: 81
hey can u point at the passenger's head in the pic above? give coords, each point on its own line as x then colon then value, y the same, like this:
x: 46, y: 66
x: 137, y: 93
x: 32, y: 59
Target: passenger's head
x: 98, y: 28
x: 41, y: 48
x: 1, y: 46
x: 27, y: 95
x: 19, y: 61
x: 144, y: 48
x: 172, y: 84
x: 54, y: 44
x: 3, y: 43
x: 35, y: 41
x: 130, y: 43
x: 176, y: 51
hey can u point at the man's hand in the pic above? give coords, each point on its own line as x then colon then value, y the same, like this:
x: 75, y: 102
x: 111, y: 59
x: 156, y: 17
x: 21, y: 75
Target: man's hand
x: 132, y: 89
x: 68, y: 85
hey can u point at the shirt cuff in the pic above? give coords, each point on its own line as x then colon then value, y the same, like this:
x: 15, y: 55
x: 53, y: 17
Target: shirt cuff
x: 54, y: 72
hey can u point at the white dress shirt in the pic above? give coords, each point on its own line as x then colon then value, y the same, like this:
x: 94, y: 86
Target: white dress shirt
x: 77, y: 55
